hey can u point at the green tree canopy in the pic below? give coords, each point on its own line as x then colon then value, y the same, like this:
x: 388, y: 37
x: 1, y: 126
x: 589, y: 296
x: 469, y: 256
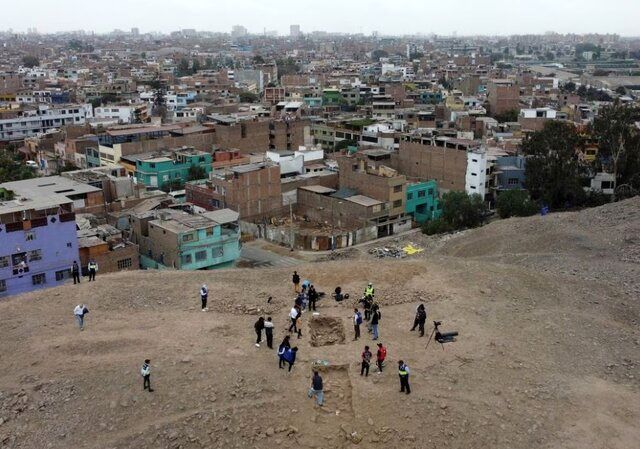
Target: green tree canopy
x: 30, y: 61
x: 553, y: 172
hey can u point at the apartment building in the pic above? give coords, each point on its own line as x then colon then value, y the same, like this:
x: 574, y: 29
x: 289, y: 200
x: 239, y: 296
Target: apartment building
x: 172, y: 238
x: 38, y: 242
x: 423, y: 203
x: 170, y: 168
x: 31, y: 121
x: 252, y: 190
x: 534, y: 119
x: 503, y: 95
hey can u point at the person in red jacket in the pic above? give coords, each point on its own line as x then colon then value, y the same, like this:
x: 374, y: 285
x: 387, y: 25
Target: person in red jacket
x: 380, y: 356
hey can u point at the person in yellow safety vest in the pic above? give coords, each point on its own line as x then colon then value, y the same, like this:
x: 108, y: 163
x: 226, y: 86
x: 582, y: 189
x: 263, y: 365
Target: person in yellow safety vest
x: 93, y: 267
x: 403, y: 372
x: 369, y: 290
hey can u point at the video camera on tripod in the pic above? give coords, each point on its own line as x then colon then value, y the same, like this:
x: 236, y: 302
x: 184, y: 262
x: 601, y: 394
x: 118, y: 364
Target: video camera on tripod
x: 442, y: 337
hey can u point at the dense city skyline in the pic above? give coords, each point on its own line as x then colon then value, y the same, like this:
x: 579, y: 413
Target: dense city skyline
x: 515, y: 17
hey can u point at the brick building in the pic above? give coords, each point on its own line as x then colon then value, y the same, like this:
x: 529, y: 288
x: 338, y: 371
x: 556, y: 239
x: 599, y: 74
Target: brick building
x: 251, y: 136
x: 443, y: 160
x: 252, y: 190
x: 109, y: 256
x: 503, y: 95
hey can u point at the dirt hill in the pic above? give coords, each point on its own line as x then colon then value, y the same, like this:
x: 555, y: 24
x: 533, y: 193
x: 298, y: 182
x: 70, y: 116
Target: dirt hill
x: 547, y: 310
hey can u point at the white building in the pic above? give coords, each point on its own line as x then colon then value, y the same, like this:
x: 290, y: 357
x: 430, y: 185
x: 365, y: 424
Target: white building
x: 291, y: 164
x: 123, y: 114
x: 538, y: 113
x: 476, y: 178
x: 42, y: 118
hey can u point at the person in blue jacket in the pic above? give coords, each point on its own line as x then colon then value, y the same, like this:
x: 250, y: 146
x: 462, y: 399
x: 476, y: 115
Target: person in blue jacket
x: 289, y: 356
x: 281, y: 350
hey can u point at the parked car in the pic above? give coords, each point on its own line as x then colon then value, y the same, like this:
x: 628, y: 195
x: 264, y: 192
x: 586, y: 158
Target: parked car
x: 32, y: 164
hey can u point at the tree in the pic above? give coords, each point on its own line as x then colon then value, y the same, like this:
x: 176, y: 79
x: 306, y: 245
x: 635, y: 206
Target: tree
x: 344, y: 144
x: 553, y: 172
x: 257, y: 59
x: 460, y: 210
x: 549, y: 56
x: 515, y: 203
x: 508, y: 116
x: 196, y: 172
x: 12, y: 168
x: 569, y: 87
x: 620, y: 90
x: 183, y: 68
x: 195, y: 66
x: 618, y: 139
x: 582, y: 91
x: 287, y: 67
x: 30, y: 61
x: 377, y: 54
x: 248, y: 97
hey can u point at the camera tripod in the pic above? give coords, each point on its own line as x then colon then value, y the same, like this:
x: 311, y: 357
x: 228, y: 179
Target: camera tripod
x: 447, y: 337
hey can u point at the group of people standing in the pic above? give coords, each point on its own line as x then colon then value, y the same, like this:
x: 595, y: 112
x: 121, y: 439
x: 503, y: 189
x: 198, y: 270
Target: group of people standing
x: 372, y: 314
x: 92, y: 268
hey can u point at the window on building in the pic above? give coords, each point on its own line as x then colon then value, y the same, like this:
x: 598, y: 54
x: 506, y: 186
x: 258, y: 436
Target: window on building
x: 606, y: 185
x: 187, y: 237
x: 29, y: 236
x: 69, y: 245
x: 3, y: 285
x: 513, y: 181
x: 36, y: 254
x: 4, y: 261
x: 152, y: 165
x: 209, y: 232
x: 422, y: 193
x: 62, y: 275
x: 430, y: 192
x: 421, y: 208
x: 397, y: 203
x: 124, y: 263
x: 474, y: 174
x: 397, y: 188
x: 201, y: 255
x: 18, y: 258
x: 186, y: 259
x: 410, y: 196
x: 38, y: 279
x: 217, y: 252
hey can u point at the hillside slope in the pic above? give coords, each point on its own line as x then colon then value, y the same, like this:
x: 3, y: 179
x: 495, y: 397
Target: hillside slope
x: 547, y: 310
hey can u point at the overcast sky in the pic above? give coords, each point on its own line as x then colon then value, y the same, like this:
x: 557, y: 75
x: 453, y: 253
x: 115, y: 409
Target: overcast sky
x: 465, y: 17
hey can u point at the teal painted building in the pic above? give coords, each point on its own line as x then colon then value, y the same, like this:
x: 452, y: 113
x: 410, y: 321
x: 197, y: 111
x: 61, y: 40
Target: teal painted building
x: 422, y: 202
x: 170, y: 170
x: 171, y: 238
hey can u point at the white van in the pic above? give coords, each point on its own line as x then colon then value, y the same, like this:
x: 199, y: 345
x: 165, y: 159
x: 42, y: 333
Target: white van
x: 32, y: 164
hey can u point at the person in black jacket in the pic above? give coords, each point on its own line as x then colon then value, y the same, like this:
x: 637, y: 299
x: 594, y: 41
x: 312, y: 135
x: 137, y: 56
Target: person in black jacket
x: 316, y: 389
x: 296, y: 282
x: 415, y: 320
x: 421, y: 317
x: 313, y: 297
x: 375, y: 319
x: 75, y: 271
x: 259, y: 325
x: 268, y: 332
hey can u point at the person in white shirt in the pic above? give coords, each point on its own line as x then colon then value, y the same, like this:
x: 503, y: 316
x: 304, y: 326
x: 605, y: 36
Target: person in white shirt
x: 268, y: 331
x: 204, y: 295
x: 295, y: 312
x: 79, y: 312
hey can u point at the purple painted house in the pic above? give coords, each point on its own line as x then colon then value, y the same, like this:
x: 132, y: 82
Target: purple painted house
x: 38, y: 242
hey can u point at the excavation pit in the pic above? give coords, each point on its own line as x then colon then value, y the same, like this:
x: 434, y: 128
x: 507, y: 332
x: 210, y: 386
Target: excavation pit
x: 326, y: 331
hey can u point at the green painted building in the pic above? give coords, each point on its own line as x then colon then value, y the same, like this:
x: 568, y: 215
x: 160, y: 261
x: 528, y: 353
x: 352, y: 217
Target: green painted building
x: 422, y: 201
x: 170, y: 170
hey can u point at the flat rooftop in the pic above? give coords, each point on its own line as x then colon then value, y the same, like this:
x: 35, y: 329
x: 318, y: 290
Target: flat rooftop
x: 317, y: 189
x: 47, y: 186
x: 363, y: 200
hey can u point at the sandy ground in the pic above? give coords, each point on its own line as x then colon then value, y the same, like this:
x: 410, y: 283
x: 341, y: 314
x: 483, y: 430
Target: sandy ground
x: 547, y: 310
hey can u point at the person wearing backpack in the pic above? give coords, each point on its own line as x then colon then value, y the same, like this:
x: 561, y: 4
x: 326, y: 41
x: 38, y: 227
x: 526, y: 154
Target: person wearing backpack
x: 357, y: 321
x: 79, y: 312
x: 145, y: 372
x: 421, y: 317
